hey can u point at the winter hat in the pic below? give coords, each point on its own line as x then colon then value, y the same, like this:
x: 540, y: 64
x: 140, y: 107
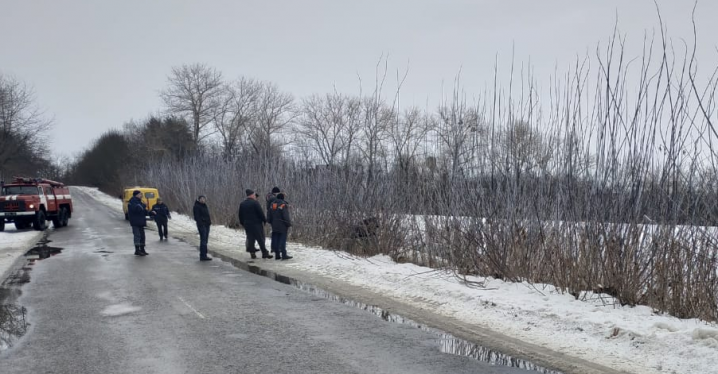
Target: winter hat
x: 276, y: 190
x: 280, y: 196
x: 249, y: 192
x: 135, y: 192
x: 199, y: 197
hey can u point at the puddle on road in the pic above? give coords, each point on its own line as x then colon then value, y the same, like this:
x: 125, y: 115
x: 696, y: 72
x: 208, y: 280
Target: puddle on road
x: 42, y: 251
x: 448, y: 343
x: 13, y: 317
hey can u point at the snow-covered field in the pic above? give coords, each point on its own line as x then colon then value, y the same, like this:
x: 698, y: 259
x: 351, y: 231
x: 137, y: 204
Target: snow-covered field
x: 636, y: 340
x: 14, y: 244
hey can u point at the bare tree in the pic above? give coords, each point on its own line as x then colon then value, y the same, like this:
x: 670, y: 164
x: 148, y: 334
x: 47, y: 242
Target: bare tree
x: 523, y: 149
x: 373, y: 131
x: 22, y: 128
x: 273, y: 111
x: 406, y: 134
x: 193, y: 92
x: 328, y: 125
x: 235, y: 113
x: 458, y: 122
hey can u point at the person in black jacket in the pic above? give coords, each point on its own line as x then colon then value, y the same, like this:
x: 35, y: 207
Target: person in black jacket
x: 271, y: 197
x: 137, y: 212
x: 201, y: 217
x: 281, y: 222
x: 162, y: 214
x: 251, y: 216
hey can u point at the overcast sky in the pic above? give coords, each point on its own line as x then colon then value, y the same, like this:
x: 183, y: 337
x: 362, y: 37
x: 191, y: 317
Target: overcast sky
x: 95, y: 65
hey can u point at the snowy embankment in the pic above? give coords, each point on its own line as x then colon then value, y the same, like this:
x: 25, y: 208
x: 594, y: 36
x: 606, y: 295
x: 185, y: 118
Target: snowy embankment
x: 635, y: 340
x: 13, y: 244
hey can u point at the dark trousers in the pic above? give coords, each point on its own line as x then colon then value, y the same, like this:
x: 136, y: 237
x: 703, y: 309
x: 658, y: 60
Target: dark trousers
x: 255, y: 233
x: 161, y: 228
x: 279, y: 244
x: 203, y: 239
x: 139, y: 235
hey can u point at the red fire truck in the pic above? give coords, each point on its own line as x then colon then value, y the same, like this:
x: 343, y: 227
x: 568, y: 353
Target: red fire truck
x: 32, y: 202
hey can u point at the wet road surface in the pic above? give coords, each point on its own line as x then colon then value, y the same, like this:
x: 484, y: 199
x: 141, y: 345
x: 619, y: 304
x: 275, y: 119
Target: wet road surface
x: 94, y: 307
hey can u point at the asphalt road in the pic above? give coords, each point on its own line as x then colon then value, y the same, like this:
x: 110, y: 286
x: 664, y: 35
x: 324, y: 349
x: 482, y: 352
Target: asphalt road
x: 97, y: 308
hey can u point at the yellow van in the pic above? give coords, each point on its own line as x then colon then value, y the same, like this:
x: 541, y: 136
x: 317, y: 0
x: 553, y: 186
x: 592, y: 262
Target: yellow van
x: 149, y: 197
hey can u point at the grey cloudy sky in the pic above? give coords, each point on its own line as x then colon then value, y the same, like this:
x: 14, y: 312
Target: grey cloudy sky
x: 97, y: 64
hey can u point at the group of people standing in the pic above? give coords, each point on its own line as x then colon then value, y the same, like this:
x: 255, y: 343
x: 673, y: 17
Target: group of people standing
x: 253, y: 219
x: 251, y: 216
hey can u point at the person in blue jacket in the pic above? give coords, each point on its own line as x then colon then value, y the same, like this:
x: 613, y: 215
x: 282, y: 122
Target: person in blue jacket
x: 137, y: 211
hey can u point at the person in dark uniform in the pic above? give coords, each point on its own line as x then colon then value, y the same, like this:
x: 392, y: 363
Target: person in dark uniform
x: 281, y: 222
x: 271, y: 197
x: 201, y: 217
x: 252, y: 218
x: 137, y: 212
x: 162, y: 214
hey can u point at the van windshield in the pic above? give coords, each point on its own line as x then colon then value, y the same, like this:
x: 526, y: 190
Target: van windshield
x: 150, y: 195
x: 19, y: 190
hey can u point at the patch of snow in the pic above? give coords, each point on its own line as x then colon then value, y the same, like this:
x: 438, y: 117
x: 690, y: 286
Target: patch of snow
x: 13, y: 244
x: 633, y: 339
x: 120, y: 309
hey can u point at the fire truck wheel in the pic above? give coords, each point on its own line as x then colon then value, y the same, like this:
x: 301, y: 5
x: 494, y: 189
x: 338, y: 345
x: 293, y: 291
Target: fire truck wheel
x: 65, y: 217
x: 57, y: 220
x: 40, y: 223
x: 21, y: 225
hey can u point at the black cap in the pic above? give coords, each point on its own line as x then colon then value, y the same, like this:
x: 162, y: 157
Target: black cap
x: 135, y: 192
x: 276, y: 190
x: 199, y: 197
x: 249, y: 192
x: 280, y: 196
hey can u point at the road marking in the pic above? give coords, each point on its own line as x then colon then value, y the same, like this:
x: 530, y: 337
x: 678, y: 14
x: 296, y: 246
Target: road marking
x: 190, y: 306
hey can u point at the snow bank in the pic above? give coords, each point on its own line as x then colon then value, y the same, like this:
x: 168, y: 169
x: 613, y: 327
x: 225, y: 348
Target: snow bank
x: 13, y: 244
x: 105, y: 199
x: 635, y: 339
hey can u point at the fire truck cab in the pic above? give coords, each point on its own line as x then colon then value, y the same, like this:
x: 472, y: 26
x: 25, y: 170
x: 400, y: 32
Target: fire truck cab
x: 32, y: 202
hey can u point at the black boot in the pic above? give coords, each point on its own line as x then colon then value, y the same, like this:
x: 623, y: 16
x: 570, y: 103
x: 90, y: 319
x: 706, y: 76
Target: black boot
x: 137, y: 251
x: 254, y: 255
x: 142, y: 250
x: 266, y: 254
x: 287, y: 257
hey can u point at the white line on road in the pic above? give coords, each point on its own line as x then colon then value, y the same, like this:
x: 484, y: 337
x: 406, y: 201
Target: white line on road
x: 190, y: 306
